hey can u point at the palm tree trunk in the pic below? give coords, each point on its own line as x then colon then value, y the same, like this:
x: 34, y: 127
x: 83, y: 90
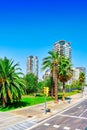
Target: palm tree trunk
x: 63, y: 96
x: 52, y: 90
x: 51, y: 77
x: 3, y: 102
x: 52, y: 84
x: 56, y: 85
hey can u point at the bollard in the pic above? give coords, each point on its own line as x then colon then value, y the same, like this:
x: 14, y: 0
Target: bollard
x: 48, y: 110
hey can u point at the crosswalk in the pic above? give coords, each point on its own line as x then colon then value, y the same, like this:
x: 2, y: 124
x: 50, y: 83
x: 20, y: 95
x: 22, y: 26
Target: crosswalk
x: 27, y: 124
x: 22, y: 125
x: 59, y: 126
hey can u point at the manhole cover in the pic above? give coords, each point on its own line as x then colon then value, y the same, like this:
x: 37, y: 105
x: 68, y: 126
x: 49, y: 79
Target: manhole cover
x: 29, y: 116
x: 42, y: 109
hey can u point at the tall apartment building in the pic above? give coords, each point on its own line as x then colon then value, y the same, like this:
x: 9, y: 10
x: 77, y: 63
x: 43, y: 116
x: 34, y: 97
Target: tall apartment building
x: 63, y: 48
x: 32, y: 65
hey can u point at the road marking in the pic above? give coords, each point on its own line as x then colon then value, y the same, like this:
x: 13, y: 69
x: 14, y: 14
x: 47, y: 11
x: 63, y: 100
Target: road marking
x: 82, y: 113
x: 79, y: 107
x: 46, y: 124
x: 66, y: 128
x: 77, y: 129
x: 56, y: 126
x: 78, y: 117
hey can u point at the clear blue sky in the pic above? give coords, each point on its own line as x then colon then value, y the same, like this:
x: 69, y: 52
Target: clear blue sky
x: 30, y: 27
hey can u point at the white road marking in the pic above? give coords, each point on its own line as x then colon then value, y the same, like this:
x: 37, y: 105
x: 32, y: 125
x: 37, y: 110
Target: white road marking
x: 66, y: 128
x: 77, y: 129
x: 82, y: 113
x: 79, y: 107
x: 46, y: 124
x: 56, y: 126
x: 77, y: 117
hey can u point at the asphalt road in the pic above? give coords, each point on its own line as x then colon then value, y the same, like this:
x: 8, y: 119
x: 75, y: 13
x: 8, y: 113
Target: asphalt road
x: 74, y: 118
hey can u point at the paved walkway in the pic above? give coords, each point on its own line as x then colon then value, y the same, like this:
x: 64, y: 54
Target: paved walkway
x: 37, y: 112
x: 24, y: 118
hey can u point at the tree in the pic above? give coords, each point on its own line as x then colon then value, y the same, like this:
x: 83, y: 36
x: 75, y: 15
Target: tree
x: 51, y: 62
x: 45, y: 83
x: 75, y: 85
x: 11, y: 82
x: 81, y: 79
x: 31, y: 83
x: 64, y: 72
x: 41, y: 85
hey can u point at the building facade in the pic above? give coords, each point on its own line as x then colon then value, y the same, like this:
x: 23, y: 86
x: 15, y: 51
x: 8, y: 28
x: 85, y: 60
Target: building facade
x: 46, y: 74
x: 32, y: 65
x: 76, y: 72
x: 63, y: 48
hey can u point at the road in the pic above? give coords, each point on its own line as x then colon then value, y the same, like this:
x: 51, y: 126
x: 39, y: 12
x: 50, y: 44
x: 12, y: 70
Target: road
x: 74, y: 118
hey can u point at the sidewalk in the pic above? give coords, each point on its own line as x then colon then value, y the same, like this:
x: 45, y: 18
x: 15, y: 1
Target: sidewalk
x: 37, y: 112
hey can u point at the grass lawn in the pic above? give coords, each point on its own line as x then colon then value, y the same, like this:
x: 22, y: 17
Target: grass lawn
x: 26, y: 101
x: 29, y: 100
x: 67, y: 94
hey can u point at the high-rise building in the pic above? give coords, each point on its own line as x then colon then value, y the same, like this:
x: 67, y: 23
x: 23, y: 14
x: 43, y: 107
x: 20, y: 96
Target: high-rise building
x: 32, y: 65
x: 46, y: 74
x: 63, y: 48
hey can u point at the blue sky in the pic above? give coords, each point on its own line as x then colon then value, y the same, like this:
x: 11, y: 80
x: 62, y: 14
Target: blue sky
x: 30, y: 27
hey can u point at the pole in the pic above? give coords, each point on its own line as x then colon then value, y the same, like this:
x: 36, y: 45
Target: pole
x: 45, y: 103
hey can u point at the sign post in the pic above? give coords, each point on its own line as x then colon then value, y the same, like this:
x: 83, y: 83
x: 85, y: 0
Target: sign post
x: 46, y: 93
x: 45, y: 105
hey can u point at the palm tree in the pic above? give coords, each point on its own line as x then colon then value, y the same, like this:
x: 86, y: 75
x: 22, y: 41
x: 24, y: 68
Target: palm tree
x: 11, y: 85
x: 65, y: 72
x: 51, y: 62
x: 81, y: 79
